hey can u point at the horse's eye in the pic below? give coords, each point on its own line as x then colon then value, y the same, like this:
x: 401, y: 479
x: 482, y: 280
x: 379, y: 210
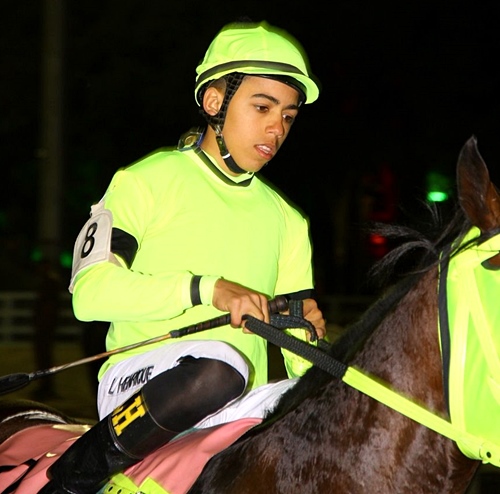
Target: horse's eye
x: 493, y: 263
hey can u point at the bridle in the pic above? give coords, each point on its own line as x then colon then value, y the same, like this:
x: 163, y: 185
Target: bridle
x: 474, y: 445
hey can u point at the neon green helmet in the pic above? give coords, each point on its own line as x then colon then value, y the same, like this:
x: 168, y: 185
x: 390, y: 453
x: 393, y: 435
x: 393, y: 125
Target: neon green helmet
x: 257, y: 49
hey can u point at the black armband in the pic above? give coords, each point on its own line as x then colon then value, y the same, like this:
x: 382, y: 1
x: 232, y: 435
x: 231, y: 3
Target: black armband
x: 301, y: 295
x: 124, y: 245
x: 195, y: 290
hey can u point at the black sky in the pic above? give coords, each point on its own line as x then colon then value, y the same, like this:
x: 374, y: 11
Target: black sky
x: 403, y: 83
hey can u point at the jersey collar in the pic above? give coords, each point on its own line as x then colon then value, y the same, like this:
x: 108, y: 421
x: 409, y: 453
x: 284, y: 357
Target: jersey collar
x: 242, y: 180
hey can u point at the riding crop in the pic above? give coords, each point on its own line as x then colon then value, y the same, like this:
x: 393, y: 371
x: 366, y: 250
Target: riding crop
x: 13, y: 382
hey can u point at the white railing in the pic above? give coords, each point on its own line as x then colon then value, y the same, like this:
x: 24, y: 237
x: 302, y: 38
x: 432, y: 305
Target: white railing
x: 16, y: 316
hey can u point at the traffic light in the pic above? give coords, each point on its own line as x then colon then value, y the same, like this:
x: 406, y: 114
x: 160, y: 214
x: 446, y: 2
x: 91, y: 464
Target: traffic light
x: 65, y: 257
x: 438, y: 186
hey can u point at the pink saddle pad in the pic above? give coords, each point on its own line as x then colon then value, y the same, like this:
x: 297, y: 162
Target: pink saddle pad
x: 176, y: 465
x: 26, y: 456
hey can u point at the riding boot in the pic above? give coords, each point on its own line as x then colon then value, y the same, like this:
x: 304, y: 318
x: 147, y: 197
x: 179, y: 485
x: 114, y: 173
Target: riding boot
x: 118, y: 441
x: 172, y: 402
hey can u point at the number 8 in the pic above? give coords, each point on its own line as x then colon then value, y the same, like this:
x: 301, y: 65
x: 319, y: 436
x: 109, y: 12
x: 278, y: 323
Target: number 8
x: 89, y: 242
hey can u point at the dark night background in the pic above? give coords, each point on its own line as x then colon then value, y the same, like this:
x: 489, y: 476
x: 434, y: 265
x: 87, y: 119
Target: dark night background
x: 404, y: 85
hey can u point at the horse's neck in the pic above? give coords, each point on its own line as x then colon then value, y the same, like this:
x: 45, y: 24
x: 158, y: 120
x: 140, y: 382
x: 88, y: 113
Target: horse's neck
x: 404, y: 352
x: 404, y: 349
x: 364, y: 445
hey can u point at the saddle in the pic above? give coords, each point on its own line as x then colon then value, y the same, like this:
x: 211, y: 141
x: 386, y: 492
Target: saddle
x: 26, y: 456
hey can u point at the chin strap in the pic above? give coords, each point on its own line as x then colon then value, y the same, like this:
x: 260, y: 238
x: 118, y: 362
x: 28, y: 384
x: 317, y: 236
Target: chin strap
x: 233, y: 81
x: 226, y: 155
x: 194, y: 136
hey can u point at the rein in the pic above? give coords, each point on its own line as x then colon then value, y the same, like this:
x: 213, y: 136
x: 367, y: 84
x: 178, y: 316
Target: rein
x: 484, y: 450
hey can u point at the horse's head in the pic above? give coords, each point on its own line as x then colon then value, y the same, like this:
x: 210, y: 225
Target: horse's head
x: 470, y: 312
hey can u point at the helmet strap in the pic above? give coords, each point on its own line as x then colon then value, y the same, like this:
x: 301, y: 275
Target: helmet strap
x: 233, y: 82
x: 226, y: 155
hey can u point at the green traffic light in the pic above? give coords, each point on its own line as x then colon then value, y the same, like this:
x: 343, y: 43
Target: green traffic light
x: 438, y: 187
x: 437, y: 196
x: 66, y: 259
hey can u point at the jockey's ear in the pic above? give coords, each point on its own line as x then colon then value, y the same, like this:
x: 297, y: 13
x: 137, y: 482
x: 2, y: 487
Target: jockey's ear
x: 212, y: 100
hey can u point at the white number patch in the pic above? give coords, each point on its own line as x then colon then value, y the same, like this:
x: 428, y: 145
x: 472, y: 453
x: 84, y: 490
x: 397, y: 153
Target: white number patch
x: 93, y: 244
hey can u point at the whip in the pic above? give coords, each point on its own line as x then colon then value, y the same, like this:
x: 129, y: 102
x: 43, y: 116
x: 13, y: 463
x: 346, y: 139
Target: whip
x: 13, y: 382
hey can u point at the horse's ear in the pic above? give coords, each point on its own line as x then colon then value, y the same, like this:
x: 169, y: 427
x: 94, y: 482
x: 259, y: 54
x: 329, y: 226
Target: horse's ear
x: 477, y: 195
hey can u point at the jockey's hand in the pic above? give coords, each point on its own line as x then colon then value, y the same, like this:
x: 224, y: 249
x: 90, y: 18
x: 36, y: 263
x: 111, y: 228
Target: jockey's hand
x: 312, y: 314
x: 240, y: 301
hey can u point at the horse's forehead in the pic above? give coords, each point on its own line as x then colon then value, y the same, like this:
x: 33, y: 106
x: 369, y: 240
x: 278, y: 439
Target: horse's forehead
x: 475, y: 255
x: 473, y: 282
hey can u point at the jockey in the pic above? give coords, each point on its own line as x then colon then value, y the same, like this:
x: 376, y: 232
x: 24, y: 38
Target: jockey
x: 182, y: 236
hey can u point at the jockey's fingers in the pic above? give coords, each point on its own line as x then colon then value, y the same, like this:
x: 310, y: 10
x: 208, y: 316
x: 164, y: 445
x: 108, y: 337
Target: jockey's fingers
x: 258, y: 309
x: 314, y: 315
x: 319, y: 324
x: 239, y: 301
x: 321, y: 330
x: 243, y: 323
x: 260, y: 312
x: 245, y: 330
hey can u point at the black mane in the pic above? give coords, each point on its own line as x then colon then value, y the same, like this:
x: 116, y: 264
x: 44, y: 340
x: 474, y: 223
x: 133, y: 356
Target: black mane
x: 396, y: 273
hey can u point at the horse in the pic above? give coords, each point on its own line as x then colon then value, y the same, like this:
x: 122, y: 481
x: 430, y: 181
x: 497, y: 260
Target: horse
x: 324, y: 434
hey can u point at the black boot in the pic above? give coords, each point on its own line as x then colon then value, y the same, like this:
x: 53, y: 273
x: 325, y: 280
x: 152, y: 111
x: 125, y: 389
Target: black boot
x: 118, y: 441
x: 170, y: 403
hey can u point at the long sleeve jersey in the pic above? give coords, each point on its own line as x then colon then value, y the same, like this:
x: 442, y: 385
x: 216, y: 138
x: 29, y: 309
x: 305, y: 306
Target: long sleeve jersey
x: 175, y: 214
